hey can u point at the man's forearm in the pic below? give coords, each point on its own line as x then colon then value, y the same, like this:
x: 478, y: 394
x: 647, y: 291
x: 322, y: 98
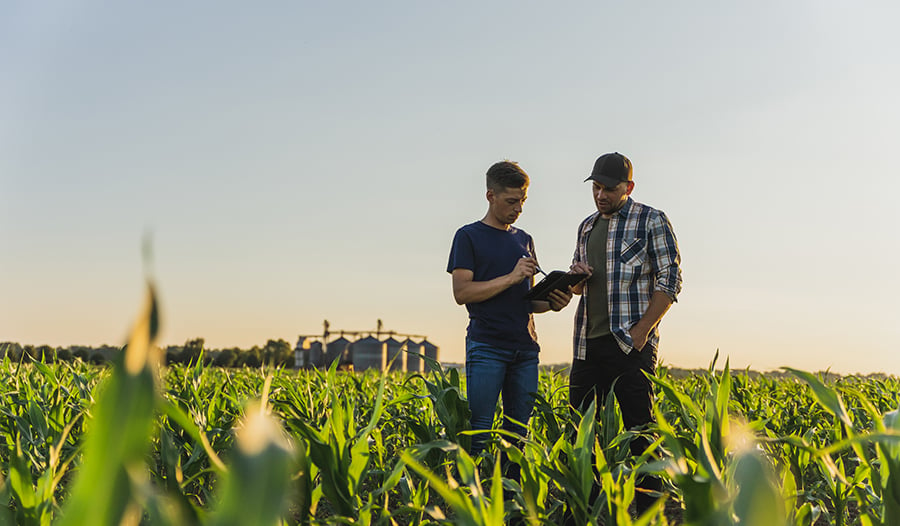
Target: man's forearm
x: 659, y: 305
x: 539, y: 306
x: 478, y: 291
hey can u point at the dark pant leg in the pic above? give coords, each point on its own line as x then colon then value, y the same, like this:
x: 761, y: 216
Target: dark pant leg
x: 634, y: 392
x: 590, y: 379
x: 583, y: 388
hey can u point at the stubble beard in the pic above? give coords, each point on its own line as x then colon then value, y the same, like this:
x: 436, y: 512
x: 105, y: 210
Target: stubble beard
x: 609, y: 208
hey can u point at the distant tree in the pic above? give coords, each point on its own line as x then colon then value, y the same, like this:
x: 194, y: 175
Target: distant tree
x: 251, y: 358
x: 15, y: 352
x: 28, y: 351
x: 255, y: 357
x: 101, y: 355
x: 208, y: 357
x: 98, y: 357
x: 82, y: 353
x: 191, y: 351
x: 240, y: 359
x: 64, y: 354
x: 278, y: 353
x: 45, y: 353
x: 227, y: 357
x: 11, y: 349
x: 173, y: 354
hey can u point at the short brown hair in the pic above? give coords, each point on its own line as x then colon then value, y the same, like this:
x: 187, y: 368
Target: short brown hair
x: 506, y: 174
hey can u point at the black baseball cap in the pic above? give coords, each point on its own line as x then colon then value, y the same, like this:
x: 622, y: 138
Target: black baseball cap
x: 610, y: 169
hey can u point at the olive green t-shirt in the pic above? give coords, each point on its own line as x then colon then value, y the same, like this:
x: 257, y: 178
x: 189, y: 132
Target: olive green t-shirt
x: 597, y: 298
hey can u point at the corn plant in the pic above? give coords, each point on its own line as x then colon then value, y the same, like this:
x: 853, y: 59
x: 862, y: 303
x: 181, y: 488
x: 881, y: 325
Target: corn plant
x: 137, y: 443
x: 472, y: 505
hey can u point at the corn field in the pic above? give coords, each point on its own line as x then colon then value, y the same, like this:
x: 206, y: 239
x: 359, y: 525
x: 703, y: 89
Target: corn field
x: 135, y: 444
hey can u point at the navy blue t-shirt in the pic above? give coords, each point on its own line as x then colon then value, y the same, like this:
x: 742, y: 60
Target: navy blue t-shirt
x: 504, y: 320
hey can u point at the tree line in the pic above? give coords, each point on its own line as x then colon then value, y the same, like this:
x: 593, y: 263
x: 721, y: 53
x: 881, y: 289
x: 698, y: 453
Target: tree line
x: 275, y: 352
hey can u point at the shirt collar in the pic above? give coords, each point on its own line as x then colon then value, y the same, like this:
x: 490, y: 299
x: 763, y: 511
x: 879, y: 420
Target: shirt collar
x: 626, y: 207
x: 623, y: 212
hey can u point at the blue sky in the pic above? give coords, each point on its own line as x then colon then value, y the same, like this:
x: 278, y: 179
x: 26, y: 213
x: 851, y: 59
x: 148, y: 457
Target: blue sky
x: 303, y: 161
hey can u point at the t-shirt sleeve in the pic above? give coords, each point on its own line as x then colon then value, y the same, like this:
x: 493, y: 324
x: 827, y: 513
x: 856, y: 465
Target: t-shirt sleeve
x: 462, y: 253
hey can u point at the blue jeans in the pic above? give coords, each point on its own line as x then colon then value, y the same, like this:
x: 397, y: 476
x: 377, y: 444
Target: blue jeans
x: 491, y: 370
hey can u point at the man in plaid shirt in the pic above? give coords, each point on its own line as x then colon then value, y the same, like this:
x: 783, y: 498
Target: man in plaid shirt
x: 630, y: 252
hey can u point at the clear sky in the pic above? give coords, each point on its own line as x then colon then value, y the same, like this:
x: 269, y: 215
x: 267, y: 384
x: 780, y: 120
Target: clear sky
x: 302, y: 161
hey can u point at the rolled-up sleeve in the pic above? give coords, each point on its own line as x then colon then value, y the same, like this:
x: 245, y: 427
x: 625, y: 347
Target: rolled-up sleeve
x: 663, y: 249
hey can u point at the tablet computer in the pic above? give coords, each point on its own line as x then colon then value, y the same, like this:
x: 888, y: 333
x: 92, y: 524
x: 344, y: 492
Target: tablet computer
x: 556, y: 280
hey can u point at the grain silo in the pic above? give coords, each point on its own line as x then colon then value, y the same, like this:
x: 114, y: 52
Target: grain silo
x: 413, y: 362
x: 430, y: 351
x: 316, y: 354
x: 301, y: 355
x: 396, y: 359
x: 368, y: 353
x: 308, y: 352
x: 335, y: 350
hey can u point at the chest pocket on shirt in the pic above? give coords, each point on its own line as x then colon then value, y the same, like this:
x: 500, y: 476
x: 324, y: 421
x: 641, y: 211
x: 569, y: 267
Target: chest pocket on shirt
x: 634, y: 251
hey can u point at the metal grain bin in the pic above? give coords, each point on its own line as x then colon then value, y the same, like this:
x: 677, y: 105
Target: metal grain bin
x: 308, y: 353
x: 301, y: 355
x: 335, y: 350
x: 316, y: 354
x: 396, y: 359
x: 368, y: 353
x: 431, y: 351
x: 413, y: 362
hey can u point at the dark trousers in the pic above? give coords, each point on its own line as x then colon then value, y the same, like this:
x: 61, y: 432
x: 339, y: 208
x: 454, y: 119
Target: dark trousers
x: 592, y: 378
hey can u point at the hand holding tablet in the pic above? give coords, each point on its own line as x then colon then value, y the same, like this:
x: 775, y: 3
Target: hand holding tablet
x: 556, y: 280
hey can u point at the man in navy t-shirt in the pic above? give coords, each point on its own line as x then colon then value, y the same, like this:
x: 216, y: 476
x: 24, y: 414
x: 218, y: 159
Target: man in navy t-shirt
x: 492, y: 264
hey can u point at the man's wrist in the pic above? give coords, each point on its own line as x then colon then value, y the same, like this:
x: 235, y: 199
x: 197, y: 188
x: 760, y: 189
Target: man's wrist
x: 642, y: 326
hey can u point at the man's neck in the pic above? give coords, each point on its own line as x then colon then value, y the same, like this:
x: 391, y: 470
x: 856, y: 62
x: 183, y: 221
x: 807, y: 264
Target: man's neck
x: 613, y: 212
x: 491, y: 222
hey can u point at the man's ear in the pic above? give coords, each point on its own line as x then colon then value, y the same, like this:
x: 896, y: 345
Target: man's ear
x: 629, y: 188
x: 490, y: 196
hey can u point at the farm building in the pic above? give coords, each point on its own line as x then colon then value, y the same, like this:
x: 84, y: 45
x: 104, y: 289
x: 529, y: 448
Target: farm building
x: 378, y: 349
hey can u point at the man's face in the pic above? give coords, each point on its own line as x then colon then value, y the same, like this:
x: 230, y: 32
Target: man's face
x: 506, y: 206
x: 609, y: 199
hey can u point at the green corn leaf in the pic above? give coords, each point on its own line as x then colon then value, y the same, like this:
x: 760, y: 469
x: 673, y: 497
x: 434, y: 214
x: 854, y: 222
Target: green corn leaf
x: 466, y: 513
x: 48, y: 373
x: 6, y: 518
x: 38, y: 422
x: 22, y: 489
x: 889, y: 453
x: 686, y: 407
x: 178, y: 416
x: 825, y: 396
x: 759, y: 501
x: 806, y: 515
x: 584, y: 442
x: 493, y: 511
x: 118, y: 440
x: 256, y: 486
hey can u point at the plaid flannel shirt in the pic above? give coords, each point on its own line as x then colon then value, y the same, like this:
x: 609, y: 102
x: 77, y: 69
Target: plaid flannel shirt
x: 641, y: 258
